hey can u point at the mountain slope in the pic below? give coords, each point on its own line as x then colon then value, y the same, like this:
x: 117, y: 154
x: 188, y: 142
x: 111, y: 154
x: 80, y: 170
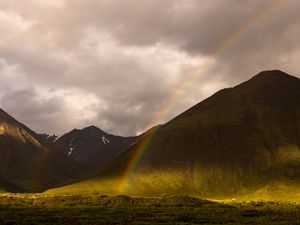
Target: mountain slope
x: 93, y: 148
x: 237, y: 141
x: 26, y: 163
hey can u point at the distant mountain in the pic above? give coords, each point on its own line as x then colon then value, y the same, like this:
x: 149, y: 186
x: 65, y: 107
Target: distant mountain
x: 236, y: 141
x: 27, y: 163
x: 93, y: 148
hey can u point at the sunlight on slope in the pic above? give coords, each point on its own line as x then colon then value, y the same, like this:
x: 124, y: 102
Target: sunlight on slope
x: 274, y: 192
x: 148, y: 184
x: 154, y: 183
x: 19, y: 134
x: 94, y: 186
x: 210, y: 182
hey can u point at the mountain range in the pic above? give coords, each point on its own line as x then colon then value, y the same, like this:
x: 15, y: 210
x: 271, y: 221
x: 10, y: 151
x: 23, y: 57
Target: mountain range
x: 237, y: 141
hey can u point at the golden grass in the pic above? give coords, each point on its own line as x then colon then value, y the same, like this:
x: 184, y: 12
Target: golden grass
x: 144, y: 184
x: 158, y: 183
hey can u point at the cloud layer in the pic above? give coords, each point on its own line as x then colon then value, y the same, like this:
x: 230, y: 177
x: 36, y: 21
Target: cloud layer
x: 115, y: 64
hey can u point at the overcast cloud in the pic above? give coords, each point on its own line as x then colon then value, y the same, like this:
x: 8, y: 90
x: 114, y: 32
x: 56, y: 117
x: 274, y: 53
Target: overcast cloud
x: 67, y: 64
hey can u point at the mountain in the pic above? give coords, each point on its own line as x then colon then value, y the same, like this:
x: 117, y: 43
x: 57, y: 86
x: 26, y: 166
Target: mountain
x: 27, y: 163
x: 93, y: 148
x: 237, y: 141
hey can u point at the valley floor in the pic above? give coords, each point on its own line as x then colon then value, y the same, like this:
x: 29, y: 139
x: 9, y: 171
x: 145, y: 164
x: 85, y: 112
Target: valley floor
x: 94, y: 209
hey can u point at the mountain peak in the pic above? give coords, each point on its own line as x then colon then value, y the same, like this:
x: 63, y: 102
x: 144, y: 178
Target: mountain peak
x: 272, y: 72
x: 273, y: 75
x: 93, y: 128
x: 93, y: 148
x: 271, y: 80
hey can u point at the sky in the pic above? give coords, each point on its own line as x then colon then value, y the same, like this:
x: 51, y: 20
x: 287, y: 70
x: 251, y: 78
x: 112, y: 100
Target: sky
x: 115, y: 64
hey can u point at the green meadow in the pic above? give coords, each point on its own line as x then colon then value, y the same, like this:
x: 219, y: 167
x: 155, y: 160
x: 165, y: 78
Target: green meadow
x: 26, y: 209
x: 85, y: 203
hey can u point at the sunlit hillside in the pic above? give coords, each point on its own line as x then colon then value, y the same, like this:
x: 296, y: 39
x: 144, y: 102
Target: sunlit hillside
x: 240, y: 142
x: 172, y: 183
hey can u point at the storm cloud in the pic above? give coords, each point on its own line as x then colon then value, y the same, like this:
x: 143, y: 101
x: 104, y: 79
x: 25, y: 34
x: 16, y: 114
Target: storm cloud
x: 67, y: 64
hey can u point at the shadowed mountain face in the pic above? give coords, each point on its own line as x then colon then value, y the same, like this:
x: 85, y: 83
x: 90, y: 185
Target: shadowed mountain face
x: 27, y: 163
x: 238, y: 140
x: 92, y: 148
x: 243, y: 126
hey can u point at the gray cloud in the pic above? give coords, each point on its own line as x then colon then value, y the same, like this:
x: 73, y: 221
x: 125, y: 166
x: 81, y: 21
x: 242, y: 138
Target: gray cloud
x: 115, y: 64
x: 26, y: 105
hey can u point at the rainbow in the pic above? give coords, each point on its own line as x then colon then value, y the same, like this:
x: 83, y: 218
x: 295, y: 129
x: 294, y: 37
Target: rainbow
x: 226, y: 43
